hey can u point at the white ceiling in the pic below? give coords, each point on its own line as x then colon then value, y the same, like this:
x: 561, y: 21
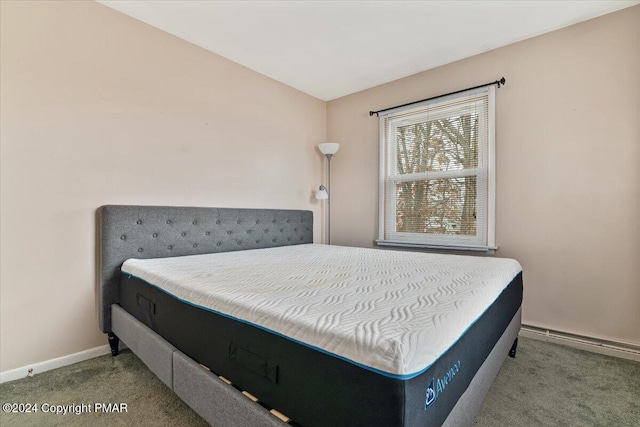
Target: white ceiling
x: 329, y: 49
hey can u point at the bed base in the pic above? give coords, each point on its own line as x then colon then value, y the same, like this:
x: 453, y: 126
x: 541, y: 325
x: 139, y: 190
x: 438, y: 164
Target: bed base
x: 219, y: 403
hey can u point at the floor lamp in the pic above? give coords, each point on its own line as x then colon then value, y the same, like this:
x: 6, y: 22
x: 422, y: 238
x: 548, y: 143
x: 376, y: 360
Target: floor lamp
x: 324, y: 193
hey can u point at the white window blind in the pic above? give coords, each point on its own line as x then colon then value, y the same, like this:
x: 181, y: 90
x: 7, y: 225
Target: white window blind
x: 437, y: 173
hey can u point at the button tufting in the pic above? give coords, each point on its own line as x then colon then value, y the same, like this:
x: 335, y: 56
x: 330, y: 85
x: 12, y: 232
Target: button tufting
x: 169, y: 247
x: 257, y: 241
x: 168, y: 221
x: 229, y: 232
x: 274, y: 221
x: 218, y: 222
x: 288, y: 239
x: 301, y: 238
x: 139, y: 221
x: 266, y: 230
x: 123, y: 237
x: 195, y: 245
x: 207, y: 233
x: 239, y: 221
x: 239, y: 242
x: 139, y: 249
x: 184, y: 234
x: 295, y: 229
x: 155, y: 234
x: 249, y: 231
x: 194, y: 222
x: 218, y: 244
x: 273, y: 240
x: 282, y: 230
x: 257, y: 221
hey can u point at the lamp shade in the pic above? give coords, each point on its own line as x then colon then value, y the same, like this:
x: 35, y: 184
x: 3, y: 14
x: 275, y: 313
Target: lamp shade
x: 322, y: 194
x: 328, y: 147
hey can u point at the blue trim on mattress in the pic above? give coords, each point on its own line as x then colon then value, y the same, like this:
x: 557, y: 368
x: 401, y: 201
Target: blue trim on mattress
x: 369, y: 368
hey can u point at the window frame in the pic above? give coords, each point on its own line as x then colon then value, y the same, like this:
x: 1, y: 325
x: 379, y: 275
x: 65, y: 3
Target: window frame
x: 388, y: 177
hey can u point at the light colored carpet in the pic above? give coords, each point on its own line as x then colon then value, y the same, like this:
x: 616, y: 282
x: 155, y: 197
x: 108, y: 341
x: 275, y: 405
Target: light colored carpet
x: 546, y: 385
x: 553, y: 385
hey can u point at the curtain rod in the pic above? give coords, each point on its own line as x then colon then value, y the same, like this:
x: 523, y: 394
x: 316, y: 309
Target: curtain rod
x: 502, y: 81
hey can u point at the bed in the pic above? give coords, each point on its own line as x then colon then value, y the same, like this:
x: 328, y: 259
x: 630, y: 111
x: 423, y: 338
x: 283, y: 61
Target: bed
x: 239, y: 313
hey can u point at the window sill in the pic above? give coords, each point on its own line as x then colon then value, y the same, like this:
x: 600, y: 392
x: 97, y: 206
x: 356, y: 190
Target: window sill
x: 487, y: 249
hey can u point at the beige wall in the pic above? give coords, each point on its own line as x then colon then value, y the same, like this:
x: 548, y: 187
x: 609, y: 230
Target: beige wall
x: 568, y: 168
x: 99, y: 108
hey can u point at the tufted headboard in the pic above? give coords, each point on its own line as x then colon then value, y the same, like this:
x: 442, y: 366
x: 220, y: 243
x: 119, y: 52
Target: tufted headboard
x: 157, y: 231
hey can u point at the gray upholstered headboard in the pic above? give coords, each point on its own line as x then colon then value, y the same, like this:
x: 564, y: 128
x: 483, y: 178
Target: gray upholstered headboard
x: 155, y: 232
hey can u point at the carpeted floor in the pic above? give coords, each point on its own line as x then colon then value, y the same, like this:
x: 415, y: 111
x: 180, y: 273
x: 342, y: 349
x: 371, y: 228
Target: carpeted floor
x: 553, y: 385
x: 546, y: 385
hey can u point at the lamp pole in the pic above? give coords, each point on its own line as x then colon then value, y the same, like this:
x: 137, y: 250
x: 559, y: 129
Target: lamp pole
x: 329, y: 156
x: 328, y: 149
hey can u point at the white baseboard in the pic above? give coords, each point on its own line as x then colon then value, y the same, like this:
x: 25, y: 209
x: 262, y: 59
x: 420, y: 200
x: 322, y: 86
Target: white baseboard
x: 47, y: 365
x: 595, y: 345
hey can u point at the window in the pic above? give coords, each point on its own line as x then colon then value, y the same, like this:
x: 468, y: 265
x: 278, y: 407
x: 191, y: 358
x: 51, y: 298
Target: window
x: 437, y: 173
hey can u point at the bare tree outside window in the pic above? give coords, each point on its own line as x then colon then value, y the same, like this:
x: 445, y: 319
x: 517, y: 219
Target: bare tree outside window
x: 445, y: 205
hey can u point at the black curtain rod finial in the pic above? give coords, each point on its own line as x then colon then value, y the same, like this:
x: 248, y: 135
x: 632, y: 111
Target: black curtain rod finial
x: 502, y: 81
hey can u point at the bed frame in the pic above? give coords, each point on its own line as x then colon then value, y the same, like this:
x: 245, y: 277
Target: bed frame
x: 152, y: 232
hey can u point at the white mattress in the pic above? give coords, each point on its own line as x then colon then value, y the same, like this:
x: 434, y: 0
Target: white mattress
x: 388, y: 311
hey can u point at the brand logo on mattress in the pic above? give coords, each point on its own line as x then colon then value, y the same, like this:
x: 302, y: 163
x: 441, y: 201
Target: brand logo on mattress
x: 438, y: 385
